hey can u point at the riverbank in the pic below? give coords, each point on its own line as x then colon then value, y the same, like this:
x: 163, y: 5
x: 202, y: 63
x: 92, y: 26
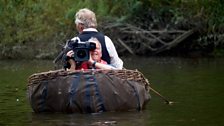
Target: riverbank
x: 133, y: 41
x: 35, y: 29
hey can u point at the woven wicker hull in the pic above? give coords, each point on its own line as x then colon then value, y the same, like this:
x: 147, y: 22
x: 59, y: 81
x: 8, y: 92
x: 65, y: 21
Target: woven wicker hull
x: 88, y: 91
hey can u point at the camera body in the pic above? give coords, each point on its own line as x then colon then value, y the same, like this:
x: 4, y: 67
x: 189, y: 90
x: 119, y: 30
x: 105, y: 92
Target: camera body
x: 81, y: 50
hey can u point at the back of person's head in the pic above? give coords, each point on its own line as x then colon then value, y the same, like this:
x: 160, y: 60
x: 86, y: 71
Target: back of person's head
x: 86, y: 17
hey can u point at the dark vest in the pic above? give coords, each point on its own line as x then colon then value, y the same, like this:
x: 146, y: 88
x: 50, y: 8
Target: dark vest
x: 86, y: 35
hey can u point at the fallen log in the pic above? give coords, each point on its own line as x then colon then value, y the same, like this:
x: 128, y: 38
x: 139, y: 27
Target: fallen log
x: 125, y: 46
x: 176, y: 41
x: 136, y: 40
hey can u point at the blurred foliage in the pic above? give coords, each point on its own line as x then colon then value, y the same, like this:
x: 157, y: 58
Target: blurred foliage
x: 33, y: 24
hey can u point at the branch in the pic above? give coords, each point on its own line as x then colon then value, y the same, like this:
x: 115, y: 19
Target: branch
x: 125, y: 46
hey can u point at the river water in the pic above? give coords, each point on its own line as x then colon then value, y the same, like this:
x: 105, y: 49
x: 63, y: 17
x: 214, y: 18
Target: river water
x: 195, y: 86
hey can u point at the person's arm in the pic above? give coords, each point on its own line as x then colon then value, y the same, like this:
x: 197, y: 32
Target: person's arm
x: 69, y: 54
x: 98, y: 65
x: 71, y: 61
x: 114, y: 58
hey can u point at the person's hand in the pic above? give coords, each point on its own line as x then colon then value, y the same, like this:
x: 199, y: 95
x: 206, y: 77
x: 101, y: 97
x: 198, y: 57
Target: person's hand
x: 90, y: 61
x: 70, y: 53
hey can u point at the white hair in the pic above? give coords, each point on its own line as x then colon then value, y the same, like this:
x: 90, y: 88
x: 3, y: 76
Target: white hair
x: 86, y: 17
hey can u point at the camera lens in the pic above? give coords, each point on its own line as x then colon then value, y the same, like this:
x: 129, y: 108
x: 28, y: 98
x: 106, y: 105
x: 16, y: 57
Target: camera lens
x: 81, y: 53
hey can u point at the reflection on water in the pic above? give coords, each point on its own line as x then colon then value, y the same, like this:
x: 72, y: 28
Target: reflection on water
x: 109, y: 118
x: 195, y: 86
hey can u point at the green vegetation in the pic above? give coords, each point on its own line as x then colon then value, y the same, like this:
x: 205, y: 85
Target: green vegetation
x: 33, y: 28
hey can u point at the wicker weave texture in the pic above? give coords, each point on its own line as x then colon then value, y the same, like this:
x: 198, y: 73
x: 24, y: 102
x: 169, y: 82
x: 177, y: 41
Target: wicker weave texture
x: 132, y: 75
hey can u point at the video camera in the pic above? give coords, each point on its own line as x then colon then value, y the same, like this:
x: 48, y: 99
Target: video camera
x: 81, y: 50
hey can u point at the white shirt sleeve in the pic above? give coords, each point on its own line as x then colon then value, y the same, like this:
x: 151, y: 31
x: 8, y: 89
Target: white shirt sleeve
x: 115, y: 61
